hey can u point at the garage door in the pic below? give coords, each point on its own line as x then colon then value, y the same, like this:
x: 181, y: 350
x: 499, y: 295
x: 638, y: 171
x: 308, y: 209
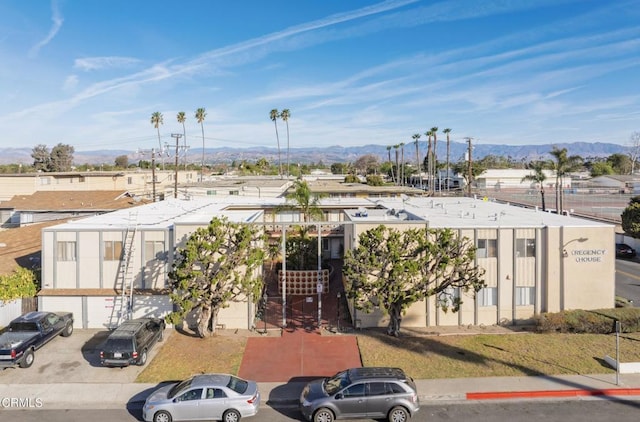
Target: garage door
x: 100, y: 310
x: 63, y: 304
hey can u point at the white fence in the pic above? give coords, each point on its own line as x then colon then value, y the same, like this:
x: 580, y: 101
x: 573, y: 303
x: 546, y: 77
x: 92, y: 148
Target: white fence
x: 9, y: 311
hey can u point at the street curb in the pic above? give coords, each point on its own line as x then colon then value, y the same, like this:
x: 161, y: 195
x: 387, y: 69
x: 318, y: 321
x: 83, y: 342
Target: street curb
x: 497, y: 395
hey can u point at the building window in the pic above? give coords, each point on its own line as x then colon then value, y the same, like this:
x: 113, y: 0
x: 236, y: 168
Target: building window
x: 81, y: 179
x: 449, y: 297
x: 487, y: 296
x: 234, y: 192
x: 288, y: 216
x: 112, y: 250
x: 211, y: 193
x: 487, y: 248
x: 525, y: 248
x: 129, y: 180
x: 66, y: 251
x: 525, y: 296
x: 325, y: 244
x: 154, y: 249
x: 45, y: 181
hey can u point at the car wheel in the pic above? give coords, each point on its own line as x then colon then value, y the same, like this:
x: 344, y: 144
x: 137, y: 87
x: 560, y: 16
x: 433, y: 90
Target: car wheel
x: 68, y: 330
x: 143, y: 358
x: 323, y: 415
x: 231, y: 415
x: 28, y: 359
x: 398, y: 414
x: 162, y: 416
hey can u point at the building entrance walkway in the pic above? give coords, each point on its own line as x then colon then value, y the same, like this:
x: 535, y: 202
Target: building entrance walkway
x: 300, y: 347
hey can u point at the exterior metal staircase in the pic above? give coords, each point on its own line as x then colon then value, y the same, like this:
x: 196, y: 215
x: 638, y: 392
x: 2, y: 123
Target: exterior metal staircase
x: 123, y: 303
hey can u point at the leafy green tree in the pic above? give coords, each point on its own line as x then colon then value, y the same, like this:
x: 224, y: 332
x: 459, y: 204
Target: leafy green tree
x: 22, y: 282
x: 61, y: 157
x: 563, y: 165
x: 367, y: 164
x: 41, y: 158
x: 303, y: 199
x: 182, y: 117
x: 631, y: 217
x: 601, y: 168
x: 122, y: 161
x: 538, y: 177
x: 274, y: 115
x: 374, y: 180
x: 620, y: 163
x: 218, y: 265
x: 200, y: 115
x: 285, y: 115
x: 339, y: 168
x: 351, y: 178
x: 393, y: 269
x: 157, y: 120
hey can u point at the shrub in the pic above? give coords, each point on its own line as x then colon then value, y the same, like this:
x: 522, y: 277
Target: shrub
x: 20, y: 283
x: 600, y: 321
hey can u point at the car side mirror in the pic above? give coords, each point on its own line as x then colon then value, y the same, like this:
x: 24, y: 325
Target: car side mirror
x: 339, y: 396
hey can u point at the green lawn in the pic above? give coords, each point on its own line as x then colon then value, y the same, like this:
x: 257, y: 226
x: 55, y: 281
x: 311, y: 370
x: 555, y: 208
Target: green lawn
x: 421, y: 356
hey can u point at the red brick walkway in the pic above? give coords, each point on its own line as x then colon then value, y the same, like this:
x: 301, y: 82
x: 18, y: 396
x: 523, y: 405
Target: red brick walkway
x: 298, y: 353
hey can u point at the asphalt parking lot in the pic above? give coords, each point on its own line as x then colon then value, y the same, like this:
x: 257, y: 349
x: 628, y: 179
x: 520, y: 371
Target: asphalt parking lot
x: 74, y: 359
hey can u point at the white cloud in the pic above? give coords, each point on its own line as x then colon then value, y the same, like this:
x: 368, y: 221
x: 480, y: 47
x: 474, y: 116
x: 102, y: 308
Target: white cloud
x: 96, y: 63
x: 57, y: 24
x: 70, y: 83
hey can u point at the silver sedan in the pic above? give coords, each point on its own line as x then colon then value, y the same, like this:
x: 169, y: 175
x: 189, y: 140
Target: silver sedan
x: 203, y: 397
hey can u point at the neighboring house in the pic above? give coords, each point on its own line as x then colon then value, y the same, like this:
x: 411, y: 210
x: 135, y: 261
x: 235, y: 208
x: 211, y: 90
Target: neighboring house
x: 46, y: 206
x: 535, y: 261
x: 617, y: 183
x: 220, y: 186
x: 336, y: 189
x: 138, y: 182
x: 497, y: 179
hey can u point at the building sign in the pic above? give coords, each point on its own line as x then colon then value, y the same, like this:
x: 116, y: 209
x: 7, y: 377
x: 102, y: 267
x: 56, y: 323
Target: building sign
x: 588, y: 255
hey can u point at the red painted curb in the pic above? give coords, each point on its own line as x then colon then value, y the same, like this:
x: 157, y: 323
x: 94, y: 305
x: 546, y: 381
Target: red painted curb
x: 553, y: 393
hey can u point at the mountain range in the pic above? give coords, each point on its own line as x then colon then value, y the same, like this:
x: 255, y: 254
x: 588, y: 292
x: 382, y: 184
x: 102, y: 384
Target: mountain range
x: 336, y: 154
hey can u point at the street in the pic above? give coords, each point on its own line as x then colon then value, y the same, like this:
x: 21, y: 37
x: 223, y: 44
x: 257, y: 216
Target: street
x: 513, y: 411
x: 628, y: 280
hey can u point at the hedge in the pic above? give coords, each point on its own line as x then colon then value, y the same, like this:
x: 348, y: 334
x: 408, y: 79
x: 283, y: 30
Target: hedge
x: 599, y: 321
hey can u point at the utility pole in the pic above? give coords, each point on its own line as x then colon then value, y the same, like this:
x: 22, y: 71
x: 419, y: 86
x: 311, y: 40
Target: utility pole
x: 469, y: 166
x: 175, y: 182
x: 153, y: 169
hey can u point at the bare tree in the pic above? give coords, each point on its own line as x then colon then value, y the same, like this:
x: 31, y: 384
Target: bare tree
x: 634, y: 143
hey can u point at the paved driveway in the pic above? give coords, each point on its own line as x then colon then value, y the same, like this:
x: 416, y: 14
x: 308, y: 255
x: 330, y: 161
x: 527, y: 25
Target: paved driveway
x: 73, y: 359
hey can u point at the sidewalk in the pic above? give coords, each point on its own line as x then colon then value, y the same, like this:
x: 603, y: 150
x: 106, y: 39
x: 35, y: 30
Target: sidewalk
x: 119, y: 396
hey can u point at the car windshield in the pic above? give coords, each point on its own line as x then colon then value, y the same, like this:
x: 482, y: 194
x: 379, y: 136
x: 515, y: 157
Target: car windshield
x: 176, y: 389
x: 336, y: 382
x: 238, y: 384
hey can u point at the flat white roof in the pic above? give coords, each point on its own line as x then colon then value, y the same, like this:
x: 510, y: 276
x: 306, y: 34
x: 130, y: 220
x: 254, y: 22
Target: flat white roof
x: 471, y: 213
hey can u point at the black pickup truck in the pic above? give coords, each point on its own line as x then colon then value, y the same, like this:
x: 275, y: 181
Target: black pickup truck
x: 28, y: 333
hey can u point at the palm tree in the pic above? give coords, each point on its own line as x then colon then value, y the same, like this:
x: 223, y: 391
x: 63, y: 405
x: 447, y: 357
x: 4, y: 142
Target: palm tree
x: 284, y: 115
x: 395, y: 147
x: 390, y: 162
x: 273, y: 114
x: 402, y: 175
x: 434, y: 131
x: 156, y: 121
x: 563, y: 165
x: 447, y: 131
x: 429, y: 161
x: 538, y: 177
x: 201, y: 113
x: 416, y: 136
x: 181, y: 119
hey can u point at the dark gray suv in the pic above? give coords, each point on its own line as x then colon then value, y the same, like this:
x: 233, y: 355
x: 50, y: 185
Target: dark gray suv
x: 131, y: 342
x: 374, y: 392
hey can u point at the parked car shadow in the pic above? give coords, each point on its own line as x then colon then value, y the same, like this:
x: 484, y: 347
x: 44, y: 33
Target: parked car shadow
x: 135, y: 403
x: 91, y: 348
x: 284, y: 398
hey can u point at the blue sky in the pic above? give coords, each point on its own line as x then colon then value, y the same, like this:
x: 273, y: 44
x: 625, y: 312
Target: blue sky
x: 91, y: 73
